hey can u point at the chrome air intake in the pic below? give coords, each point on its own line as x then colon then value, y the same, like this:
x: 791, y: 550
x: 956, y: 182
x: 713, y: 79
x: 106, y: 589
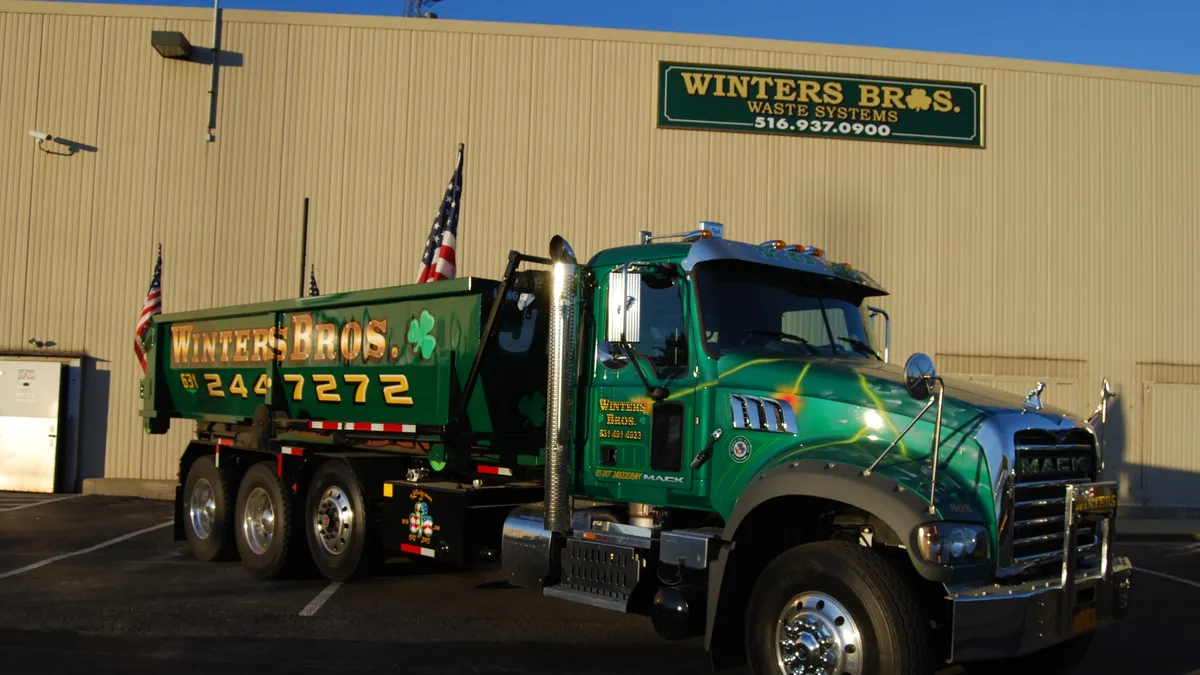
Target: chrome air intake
x: 560, y: 380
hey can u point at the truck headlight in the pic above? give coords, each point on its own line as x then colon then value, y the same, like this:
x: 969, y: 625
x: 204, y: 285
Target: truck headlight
x: 952, y: 543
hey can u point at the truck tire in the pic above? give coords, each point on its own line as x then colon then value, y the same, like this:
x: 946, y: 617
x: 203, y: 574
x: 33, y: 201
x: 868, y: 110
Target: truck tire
x: 838, y: 606
x: 263, y: 523
x: 340, y: 537
x: 208, y: 511
x: 1060, y: 659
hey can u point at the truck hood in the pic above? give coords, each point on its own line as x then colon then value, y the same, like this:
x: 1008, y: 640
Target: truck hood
x: 864, y: 382
x: 848, y: 410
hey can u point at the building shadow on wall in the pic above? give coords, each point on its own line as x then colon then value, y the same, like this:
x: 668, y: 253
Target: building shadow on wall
x: 204, y: 55
x: 65, y: 147
x: 93, y: 421
x: 1152, y: 492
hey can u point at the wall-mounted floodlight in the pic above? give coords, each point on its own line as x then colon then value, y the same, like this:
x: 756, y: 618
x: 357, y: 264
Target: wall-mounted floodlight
x: 170, y: 44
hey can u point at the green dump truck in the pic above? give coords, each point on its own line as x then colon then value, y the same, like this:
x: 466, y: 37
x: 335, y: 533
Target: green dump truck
x: 699, y: 430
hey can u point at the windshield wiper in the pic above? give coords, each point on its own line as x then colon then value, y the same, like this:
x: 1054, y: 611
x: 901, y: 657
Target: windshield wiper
x: 861, y: 347
x: 779, y: 335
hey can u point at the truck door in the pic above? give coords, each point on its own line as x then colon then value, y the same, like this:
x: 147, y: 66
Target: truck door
x: 640, y: 450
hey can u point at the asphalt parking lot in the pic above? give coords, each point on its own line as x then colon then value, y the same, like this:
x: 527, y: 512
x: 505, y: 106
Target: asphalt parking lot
x: 95, y: 584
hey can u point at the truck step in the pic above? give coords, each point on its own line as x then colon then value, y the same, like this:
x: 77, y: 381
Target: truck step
x: 598, y: 574
x: 584, y: 598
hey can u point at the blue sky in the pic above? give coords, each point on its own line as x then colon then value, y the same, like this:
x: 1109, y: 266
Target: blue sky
x: 1143, y: 34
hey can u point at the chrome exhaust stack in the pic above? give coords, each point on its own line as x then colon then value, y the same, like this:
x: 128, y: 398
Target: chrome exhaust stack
x: 560, y: 385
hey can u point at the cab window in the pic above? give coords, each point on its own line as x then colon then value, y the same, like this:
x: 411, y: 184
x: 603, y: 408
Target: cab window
x: 663, y: 332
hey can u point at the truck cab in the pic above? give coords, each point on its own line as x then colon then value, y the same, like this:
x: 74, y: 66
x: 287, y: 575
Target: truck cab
x: 708, y: 337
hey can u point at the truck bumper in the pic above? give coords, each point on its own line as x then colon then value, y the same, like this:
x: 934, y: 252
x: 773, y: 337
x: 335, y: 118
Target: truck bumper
x: 1002, y: 621
x: 1009, y: 621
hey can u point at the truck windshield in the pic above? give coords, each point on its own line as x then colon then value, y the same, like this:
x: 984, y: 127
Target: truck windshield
x: 745, y: 306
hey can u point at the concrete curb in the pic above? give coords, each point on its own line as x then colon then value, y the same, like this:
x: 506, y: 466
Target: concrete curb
x: 163, y: 490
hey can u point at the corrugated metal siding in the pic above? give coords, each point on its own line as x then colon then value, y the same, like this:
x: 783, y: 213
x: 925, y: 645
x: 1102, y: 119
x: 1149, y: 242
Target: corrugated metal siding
x: 20, y: 48
x: 1061, y: 252
x: 376, y: 143
x: 122, y: 228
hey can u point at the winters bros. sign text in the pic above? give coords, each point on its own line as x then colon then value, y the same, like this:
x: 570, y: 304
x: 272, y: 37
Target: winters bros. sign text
x: 794, y: 103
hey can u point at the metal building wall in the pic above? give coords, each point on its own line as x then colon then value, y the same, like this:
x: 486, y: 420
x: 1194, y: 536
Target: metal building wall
x: 1062, y: 251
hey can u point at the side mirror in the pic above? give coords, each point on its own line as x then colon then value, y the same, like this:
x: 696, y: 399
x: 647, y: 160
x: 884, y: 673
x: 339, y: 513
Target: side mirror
x: 887, y: 331
x: 919, y: 375
x: 624, y: 306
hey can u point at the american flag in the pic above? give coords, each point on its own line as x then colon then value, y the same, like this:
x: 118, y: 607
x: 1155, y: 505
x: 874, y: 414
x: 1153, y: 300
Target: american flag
x: 313, y: 291
x: 151, y: 306
x: 438, y: 262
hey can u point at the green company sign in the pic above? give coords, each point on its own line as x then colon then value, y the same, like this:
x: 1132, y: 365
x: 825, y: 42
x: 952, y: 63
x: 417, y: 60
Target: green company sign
x: 790, y: 103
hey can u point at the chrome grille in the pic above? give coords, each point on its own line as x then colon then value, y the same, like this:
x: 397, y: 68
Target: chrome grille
x: 1045, y: 464
x: 759, y: 413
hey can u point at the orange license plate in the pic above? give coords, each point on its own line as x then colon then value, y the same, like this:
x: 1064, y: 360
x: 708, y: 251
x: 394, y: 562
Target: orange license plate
x: 1085, y: 620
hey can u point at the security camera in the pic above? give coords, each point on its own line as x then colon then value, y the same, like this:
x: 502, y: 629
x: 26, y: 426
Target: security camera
x: 41, y: 136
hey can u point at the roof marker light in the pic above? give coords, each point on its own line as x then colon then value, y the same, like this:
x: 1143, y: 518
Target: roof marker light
x: 774, y: 243
x: 810, y: 250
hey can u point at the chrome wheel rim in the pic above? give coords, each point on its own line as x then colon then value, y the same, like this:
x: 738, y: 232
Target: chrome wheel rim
x: 258, y: 521
x: 202, y: 508
x: 815, y: 635
x: 333, y: 521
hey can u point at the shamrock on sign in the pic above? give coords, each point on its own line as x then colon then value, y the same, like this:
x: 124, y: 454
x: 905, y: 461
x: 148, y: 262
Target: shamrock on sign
x: 918, y: 99
x: 420, y: 335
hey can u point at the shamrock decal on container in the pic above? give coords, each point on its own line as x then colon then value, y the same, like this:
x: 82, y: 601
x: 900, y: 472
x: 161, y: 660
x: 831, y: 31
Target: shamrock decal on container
x: 533, y: 407
x: 420, y: 335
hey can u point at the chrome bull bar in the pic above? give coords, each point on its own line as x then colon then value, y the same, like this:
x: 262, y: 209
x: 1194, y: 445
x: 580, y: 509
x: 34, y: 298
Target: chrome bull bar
x: 998, y: 621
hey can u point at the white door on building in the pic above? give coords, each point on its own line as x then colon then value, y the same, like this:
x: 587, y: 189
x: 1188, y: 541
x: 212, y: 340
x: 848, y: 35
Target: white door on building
x: 29, y: 398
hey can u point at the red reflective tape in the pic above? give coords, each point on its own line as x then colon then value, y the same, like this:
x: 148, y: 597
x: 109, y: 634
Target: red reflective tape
x: 377, y: 426
x: 279, y: 465
x: 494, y: 470
x: 225, y: 441
x: 328, y: 426
x: 416, y: 550
x: 295, y: 452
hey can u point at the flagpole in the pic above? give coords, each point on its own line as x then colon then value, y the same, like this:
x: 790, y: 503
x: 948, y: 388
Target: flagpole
x: 304, y: 248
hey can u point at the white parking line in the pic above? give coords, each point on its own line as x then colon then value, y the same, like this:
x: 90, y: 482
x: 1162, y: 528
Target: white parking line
x: 97, y: 547
x: 312, y: 607
x: 1181, y: 580
x: 38, y: 503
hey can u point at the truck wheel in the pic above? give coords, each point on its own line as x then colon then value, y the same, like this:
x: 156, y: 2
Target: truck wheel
x: 1060, y: 659
x: 263, y: 523
x: 835, y: 607
x: 207, y: 511
x: 339, y: 535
